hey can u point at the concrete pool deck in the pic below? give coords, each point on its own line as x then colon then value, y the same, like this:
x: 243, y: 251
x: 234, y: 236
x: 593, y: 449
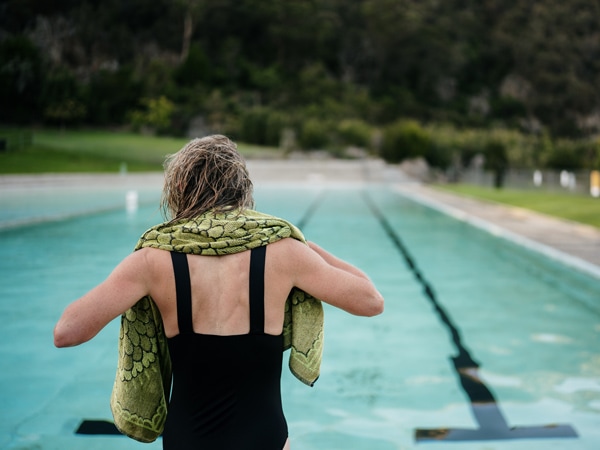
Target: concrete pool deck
x: 572, y: 243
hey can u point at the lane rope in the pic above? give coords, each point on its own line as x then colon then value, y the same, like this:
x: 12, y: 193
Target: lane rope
x: 485, y: 409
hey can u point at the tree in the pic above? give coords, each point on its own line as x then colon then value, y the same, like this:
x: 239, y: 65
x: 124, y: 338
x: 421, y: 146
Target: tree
x: 192, y: 9
x: 496, y: 160
x: 20, y: 80
x: 522, y: 63
x: 156, y: 115
x: 554, y: 46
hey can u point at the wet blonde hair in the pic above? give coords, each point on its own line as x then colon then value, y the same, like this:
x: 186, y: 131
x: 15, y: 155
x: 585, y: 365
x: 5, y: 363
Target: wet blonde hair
x: 207, y: 174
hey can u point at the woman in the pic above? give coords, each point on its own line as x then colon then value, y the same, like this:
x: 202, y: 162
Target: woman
x: 223, y: 308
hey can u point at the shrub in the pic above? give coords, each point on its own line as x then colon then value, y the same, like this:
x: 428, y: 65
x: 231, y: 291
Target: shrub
x: 404, y: 139
x: 61, y: 99
x: 595, y: 156
x: 156, y: 115
x: 65, y: 111
x: 277, y: 122
x: 354, y: 132
x: 262, y: 126
x: 267, y: 80
x: 462, y: 145
x: 496, y: 160
x: 314, y: 134
x: 253, y: 126
x: 440, y: 156
x: 566, y: 155
x: 315, y: 86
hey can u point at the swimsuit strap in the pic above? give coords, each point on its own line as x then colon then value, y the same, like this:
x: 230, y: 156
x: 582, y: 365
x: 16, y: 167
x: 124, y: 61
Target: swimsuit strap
x: 184, y: 292
x: 257, y: 290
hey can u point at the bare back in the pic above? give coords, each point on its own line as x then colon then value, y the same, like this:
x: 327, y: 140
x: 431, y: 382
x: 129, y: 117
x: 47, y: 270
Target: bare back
x: 219, y: 285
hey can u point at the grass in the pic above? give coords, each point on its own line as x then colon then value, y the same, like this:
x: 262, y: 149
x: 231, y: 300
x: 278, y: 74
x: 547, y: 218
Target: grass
x: 56, y: 151
x: 95, y: 151
x: 39, y: 159
x: 578, y: 208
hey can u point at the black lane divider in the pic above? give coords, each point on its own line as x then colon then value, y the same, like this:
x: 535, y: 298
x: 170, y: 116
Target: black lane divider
x: 311, y: 209
x: 486, y: 411
x: 107, y: 427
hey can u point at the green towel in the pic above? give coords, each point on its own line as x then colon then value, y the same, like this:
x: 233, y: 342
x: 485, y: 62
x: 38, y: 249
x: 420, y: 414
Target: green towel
x: 141, y: 390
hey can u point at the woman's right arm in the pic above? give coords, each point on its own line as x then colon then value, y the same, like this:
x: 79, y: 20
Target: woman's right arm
x: 85, y: 317
x: 334, y: 280
x: 335, y: 261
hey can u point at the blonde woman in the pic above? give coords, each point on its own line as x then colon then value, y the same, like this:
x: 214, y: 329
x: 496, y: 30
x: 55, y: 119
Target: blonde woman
x: 221, y: 290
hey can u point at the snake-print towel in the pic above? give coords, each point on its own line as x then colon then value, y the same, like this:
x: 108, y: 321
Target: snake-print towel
x: 140, y: 393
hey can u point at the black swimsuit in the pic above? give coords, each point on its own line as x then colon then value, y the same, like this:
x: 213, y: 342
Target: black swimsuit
x: 226, y: 389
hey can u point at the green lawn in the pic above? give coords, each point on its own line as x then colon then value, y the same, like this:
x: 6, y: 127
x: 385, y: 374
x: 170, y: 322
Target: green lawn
x: 578, y: 208
x: 39, y: 159
x: 95, y: 151
x: 55, y: 151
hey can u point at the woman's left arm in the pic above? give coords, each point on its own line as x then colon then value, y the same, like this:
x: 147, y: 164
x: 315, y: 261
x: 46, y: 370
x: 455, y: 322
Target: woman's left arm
x: 84, y: 318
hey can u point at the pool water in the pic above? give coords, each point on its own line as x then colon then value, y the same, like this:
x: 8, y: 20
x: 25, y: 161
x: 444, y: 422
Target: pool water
x: 531, y: 326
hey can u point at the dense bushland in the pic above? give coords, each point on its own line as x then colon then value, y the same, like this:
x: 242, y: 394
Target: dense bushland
x: 516, y: 81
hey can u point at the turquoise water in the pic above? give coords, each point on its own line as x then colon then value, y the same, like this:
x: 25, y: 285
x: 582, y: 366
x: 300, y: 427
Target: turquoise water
x: 532, y: 324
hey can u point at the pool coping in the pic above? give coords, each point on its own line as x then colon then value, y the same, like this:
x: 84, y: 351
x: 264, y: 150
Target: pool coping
x: 573, y: 244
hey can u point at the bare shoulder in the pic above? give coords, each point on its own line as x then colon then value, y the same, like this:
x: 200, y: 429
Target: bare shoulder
x: 150, y: 266
x: 326, y: 277
x: 286, y: 245
x: 288, y: 252
x: 151, y: 258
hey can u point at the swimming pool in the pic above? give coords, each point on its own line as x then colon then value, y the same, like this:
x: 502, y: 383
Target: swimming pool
x: 527, y: 326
